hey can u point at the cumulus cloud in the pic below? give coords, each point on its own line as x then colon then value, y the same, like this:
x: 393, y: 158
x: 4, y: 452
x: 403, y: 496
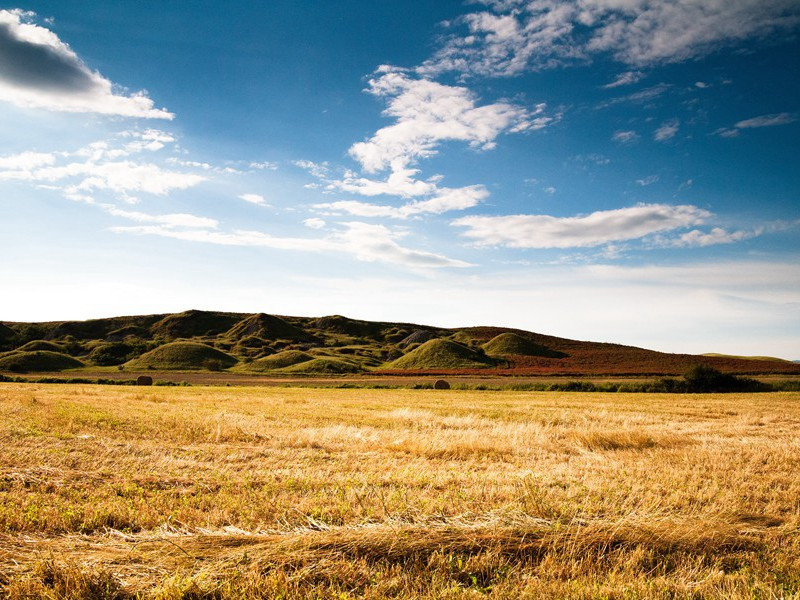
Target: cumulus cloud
x: 427, y: 113
x: 365, y: 242
x: 25, y: 161
x: 667, y: 130
x: 314, y: 223
x: 595, y: 229
x: 513, y: 36
x: 106, y: 165
x: 38, y: 70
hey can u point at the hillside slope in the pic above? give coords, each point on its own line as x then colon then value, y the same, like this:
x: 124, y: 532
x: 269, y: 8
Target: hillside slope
x: 249, y: 340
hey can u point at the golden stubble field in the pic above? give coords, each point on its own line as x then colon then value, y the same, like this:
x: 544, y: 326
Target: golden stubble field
x: 217, y: 492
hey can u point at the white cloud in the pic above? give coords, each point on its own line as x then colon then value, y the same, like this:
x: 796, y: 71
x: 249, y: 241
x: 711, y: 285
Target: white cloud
x: 38, y: 70
x: 254, y: 199
x: 168, y: 220
x: 595, y: 229
x: 513, y: 36
x: 314, y: 223
x: 364, y: 241
x: 625, y: 137
x: 767, y: 121
x: 26, y: 161
x: 428, y: 113
x: 762, y: 121
x: 649, y: 180
x: 667, y: 130
x: 445, y: 199
x: 626, y: 78
x: 264, y: 166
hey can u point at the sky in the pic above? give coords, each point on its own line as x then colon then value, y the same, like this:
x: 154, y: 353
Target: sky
x: 611, y: 170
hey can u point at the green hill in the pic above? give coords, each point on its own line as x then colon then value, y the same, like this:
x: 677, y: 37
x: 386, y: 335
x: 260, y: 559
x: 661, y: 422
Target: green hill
x: 767, y: 358
x: 281, y: 360
x: 323, y: 366
x: 35, y: 345
x: 268, y: 327
x: 38, y: 361
x: 182, y: 356
x: 194, y: 323
x: 510, y: 344
x: 441, y: 354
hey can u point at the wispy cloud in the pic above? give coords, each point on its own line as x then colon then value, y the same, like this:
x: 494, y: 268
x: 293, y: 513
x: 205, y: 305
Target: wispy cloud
x: 595, y: 229
x: 38, y: 70
x: 257, y: 199
x: 649, y: 180
x: 445, y: 200
x: 772, y: 120
x: 625, y: 137
x: 667, y: 130
x: 364, y: 241
x: 626, y: 78
x: 513, y: 36
x: 106, y: 166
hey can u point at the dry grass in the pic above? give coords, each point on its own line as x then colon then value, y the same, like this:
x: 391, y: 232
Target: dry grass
x: 221, y: 493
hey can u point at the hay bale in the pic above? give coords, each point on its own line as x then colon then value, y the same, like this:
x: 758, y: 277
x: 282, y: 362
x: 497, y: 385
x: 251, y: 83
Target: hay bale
x: 441, y: 384
x: 144, y: 380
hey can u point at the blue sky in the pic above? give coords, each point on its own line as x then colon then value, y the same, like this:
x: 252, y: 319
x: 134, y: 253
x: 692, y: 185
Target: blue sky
x: 614, y: 170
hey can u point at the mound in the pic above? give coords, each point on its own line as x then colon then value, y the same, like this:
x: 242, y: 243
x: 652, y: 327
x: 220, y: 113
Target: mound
x: 24, y: 362
x: 507, y: 344
x: 324, y: 366
x: 767, y: 358
x: 441, y: 354
x: 287, y: 358
x: 8, y: 337
x: 120, y: 334
x: 352, y: 327
x: 194, y: 323
x: 183, y: 355
x: 38, y: 345
x: 113, y: 353
x: 252, y: 341
x: 420, y: 336
x: 268, y: 327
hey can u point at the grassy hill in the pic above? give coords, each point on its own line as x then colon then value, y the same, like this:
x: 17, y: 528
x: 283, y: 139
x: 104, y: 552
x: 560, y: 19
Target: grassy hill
x: 441, y: 354
x: 183, y: 355
x: 260, y: 342
x: 36, y: 362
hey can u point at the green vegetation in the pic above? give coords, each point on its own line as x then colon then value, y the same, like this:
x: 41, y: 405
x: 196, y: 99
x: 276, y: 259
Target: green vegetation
x: 509, y: 344
x: 287, y: 358
x: 767, y: 358
x: 441, y: 354
x: 181, y: 356
x: 194, y: 323
x: 38, y: 361
x: 323, y: 366
x: 268, y: 327
x: 255, y: 340
x: 35, y: 345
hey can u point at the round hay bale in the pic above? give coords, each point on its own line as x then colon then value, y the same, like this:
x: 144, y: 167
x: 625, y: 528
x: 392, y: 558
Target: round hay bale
x: 144, y: 380
x: 441, y: 384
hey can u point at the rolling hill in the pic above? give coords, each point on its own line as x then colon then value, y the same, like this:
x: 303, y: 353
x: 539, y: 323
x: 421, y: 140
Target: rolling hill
x: 263, y: 343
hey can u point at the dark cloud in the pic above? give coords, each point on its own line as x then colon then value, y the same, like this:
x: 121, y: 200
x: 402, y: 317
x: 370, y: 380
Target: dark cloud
x: 40, y: 66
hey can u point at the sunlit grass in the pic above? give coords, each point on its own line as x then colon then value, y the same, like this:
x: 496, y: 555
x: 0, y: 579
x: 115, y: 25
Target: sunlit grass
x: 119, y: 492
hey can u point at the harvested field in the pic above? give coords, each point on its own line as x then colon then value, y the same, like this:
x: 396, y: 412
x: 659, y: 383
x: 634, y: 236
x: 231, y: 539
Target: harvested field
x: 239, y: 492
